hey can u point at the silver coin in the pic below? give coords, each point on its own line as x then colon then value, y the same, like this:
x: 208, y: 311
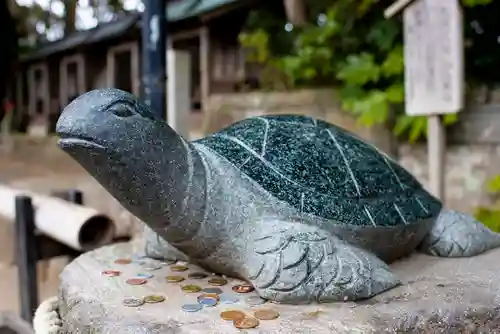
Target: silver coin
x: 167, y: 262
x: 228, y: 299
x: 152, y: 267
x: 192, y: 307
x: 133, y: 302
x: 254, y: 301
x: 212, y: 290
x: 144, y: 275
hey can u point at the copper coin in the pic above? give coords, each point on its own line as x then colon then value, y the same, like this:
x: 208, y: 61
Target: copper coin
x: 197, y: 275
x: 123, y: 261
x: 153, y: 299
x: 191, y: 288
x: 232, y: 315
x: 217, y: 281
x: 246, y: 323
x: 178, y: 268
x: 266, y: 314
x: 110, y: 273
x: 175, y: 279
x: 136, y: 281
x: 243, y: 288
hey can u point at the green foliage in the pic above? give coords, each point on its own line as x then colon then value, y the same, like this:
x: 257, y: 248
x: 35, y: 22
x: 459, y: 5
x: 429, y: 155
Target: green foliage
x: 490, y: 216
x: 355, y: 49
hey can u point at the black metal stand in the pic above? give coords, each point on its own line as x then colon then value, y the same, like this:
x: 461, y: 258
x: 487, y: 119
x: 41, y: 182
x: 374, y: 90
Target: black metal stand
x: 154, y: 33
x: 32, y: 246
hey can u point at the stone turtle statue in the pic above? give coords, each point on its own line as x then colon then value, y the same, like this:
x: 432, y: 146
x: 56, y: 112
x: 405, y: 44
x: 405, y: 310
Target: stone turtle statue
x: 302, y: 209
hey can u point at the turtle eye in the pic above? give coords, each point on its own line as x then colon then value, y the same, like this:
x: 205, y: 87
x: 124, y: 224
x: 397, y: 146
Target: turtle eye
x: 122, y: 111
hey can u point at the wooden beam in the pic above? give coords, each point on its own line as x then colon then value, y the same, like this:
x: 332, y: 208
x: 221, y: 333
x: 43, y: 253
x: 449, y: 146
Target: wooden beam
x: 396, y: 8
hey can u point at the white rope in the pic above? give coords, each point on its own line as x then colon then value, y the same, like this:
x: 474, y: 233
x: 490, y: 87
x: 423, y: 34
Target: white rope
x: 46, y: 319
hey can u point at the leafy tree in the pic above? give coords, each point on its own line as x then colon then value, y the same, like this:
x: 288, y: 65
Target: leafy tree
x: 350, y: 45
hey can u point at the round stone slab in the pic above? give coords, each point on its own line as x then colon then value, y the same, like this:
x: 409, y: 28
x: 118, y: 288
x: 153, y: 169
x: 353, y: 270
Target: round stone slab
x: 420, y: 305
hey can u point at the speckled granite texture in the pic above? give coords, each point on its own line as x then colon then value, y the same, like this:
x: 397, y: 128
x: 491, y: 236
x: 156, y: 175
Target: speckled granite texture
x: 302, y: 209
x: 459, y: 295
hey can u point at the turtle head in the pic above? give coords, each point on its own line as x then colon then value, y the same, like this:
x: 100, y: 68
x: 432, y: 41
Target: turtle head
x: 136, y: 156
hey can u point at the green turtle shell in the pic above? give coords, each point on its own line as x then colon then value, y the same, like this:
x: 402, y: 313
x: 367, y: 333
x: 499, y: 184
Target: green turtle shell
x: 324, y: 170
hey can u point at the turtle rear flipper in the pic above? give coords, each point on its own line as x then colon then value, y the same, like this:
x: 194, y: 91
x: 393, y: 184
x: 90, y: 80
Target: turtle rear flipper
x: 457, y: 234
x: 298, y: 263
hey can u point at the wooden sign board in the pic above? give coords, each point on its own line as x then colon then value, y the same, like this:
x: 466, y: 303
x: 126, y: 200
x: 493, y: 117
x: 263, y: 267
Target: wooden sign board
x: 433, y: 50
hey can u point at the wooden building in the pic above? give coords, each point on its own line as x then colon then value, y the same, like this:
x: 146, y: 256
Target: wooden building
x: 109, y: 55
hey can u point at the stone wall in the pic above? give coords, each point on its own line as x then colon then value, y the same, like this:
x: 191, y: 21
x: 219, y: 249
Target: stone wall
x: 468, y: 165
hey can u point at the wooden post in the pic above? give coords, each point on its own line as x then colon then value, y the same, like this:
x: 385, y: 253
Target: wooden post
x: 434, y: 72
x: 179, y: 91
x: 436, y: 148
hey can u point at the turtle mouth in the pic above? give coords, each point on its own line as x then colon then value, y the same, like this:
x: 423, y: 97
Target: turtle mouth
x: 69, y: 142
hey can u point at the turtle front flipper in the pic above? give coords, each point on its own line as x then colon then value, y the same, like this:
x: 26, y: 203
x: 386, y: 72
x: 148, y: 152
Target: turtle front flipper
x: 157, y: 248
x: 457, y: 234
x: 296, y: 263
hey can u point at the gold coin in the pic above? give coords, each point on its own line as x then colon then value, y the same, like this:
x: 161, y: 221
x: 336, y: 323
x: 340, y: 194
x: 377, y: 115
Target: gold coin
x: 123, y: 261
x: 178, y: 268
x: 266, y: 314
x: 217, y: 281
x: 197, y: 275
x: 190, y: 288
x: 232, y: 315
x: 246, y: 323
x: 153, y: 299
x: 243, y: 288
x: 175, y: 279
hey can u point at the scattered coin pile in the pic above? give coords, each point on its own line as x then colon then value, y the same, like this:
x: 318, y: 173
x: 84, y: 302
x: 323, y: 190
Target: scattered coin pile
x: 207, y: 297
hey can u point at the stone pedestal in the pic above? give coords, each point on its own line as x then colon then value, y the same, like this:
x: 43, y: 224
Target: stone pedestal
x: 438, y: 296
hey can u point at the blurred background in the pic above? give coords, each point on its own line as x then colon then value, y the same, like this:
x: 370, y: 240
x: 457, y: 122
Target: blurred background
x: 340, y: 60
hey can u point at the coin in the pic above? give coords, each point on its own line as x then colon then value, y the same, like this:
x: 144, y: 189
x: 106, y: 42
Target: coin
x: 153, y: 299
x: 255, y: 300
x: 197, y: 275
x: 152, y: 267
x: 208, y: 301
x: 178, y: 268
x: 246, y: 323
x: 243, y: 288
x: 232, y: 315
x: 266, y: 314
x: 225, y: 299
x: 191, y: 307
x: 175, y: 279
x: 191, y: 288
x: 217, y: 281
x: 208, y: 295
x: 123, y: 261
x: 136, y: 281
x: 133, y: 302
x: 144, y: 275
x: 212, y: 290
x: 110, y: 273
